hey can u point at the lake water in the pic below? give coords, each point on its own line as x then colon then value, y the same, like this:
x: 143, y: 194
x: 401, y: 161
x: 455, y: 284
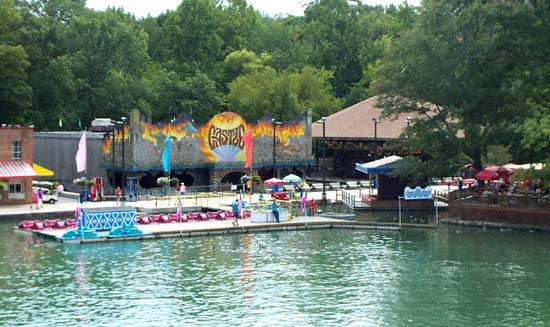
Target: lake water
x: 448, y: 277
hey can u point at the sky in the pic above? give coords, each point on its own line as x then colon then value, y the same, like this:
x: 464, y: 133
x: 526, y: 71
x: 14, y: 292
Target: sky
x: 140, y: 8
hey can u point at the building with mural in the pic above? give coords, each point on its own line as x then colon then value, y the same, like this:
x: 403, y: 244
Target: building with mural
x: 214, y: 153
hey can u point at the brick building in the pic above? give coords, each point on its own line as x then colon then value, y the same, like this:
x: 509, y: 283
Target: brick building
x: 16, y: 157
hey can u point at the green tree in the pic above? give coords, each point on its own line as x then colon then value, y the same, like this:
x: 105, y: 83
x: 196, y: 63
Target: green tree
x: 283, y: 95
x: 108, y: 56
x: 15, y: 93
x: 459, y: 68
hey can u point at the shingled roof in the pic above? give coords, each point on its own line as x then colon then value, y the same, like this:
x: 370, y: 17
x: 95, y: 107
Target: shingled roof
x: 356, y: 122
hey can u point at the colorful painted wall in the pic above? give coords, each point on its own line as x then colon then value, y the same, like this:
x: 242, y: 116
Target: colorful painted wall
x: 216, y: 144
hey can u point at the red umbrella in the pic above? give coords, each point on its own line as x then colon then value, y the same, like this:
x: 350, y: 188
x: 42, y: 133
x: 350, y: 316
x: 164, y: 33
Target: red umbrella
x: 492, y: 168
x: 273, y: 181
x: 503, y: 172
x: 486, y: 175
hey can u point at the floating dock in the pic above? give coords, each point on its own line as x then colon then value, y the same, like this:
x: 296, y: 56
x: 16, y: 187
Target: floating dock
x: 221, y: 227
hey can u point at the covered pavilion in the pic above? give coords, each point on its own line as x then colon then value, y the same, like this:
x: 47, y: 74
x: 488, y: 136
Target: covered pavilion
x: 358, y: 133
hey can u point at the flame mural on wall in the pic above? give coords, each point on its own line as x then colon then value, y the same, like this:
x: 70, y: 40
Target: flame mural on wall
x: 221, y: 138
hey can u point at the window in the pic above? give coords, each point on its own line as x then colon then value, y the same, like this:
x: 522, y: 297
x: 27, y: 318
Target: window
x: 16, y: 150
x: 15, y: 188
x: 16, y: 191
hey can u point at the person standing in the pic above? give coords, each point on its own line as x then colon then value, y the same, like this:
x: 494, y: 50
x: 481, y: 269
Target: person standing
x: 235, y: 209
x: 118, y: 192
x: 40, y: 195
x: 275, y: 210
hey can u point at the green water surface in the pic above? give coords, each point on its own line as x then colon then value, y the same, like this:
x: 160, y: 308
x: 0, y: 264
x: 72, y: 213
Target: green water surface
x: 448, y: 277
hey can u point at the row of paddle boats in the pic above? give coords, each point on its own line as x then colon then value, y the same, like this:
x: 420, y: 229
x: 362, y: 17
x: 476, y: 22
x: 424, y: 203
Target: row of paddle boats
x: 141, y: 219
x: 186, y: 217
x: 47, y: 224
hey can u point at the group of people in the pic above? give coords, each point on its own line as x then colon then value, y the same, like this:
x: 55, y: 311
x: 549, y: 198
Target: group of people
x: 237, y: 211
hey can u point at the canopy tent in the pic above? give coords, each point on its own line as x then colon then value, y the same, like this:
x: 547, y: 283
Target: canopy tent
x: 380, y: 166
x: 291, y: 178
x: 42, y: 171
x: 273, y: 181
x: 15, y: 168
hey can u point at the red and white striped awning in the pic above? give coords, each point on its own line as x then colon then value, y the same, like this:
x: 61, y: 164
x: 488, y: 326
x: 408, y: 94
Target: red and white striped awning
x: 15, y: 168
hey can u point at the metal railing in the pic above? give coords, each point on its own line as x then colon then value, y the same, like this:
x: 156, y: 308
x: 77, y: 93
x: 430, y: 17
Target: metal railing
x: 348, y: 198
x: 487, y: 198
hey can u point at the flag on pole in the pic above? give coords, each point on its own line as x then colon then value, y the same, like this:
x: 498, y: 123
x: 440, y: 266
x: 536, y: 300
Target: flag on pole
x: 240, y: 205
x: 248, y: 149
x: 166, y: 154
x: 303, y: 202
x: 81, y: 154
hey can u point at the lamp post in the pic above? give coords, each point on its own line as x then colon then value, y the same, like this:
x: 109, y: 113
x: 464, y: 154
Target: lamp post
x: 375, y: 120
x: 408, y: 121
x: 123, y: 175
x: 274, y: 123
x: 324, y: 194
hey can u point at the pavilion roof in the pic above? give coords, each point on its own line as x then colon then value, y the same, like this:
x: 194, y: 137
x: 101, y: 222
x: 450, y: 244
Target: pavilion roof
x: 356, y: 122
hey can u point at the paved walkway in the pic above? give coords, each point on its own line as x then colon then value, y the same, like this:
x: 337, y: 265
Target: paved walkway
x: 68, y: 205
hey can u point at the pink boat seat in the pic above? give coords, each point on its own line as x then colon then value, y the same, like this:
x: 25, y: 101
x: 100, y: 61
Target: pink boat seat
x: 70, y: 222
x: 212, y: 214
x: 154, y: 218
x: 222, y: 215
x: 203, y: 216
x: 49, y: 223
x: 194, y: 215
x: 38, y: 225
x: 145, y: 220
x: 26, y: 224
x: 164, y: 219
x: 59, y: 224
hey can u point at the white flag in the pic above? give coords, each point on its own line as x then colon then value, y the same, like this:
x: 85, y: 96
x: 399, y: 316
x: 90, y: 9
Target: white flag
x: 81, y: 154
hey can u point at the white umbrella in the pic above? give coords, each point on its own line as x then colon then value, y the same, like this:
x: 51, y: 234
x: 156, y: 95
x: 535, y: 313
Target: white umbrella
x: 292, y: 179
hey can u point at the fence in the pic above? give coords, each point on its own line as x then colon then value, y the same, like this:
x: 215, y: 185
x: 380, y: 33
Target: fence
x: 518, y: 201
x: 348, y: 198
x: 199, y: 195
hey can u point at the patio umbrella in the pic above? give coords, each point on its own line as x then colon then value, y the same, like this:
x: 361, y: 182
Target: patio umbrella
x: 503, y: 171
x: 244, y: 178
x: 486, y: 175
x: 273, y: 181
x: 492, y: 168
x: 292, y: 179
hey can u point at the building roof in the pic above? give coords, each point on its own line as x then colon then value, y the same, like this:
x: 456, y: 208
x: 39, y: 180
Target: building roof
x: 380, y: 166
x: 15, y: 168
x: 356, y: 122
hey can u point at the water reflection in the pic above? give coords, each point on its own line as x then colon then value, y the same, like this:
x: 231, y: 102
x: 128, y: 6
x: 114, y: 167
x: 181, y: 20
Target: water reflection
x: 301, y: 278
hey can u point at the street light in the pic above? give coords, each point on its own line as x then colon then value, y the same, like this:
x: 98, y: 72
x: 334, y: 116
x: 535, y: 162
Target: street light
x: 375, y: 120
x: 408, y: 121
x: 123, y: 119
x: 324, y: 194
x: 274, y: 123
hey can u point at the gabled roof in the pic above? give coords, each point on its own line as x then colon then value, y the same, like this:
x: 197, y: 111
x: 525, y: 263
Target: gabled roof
x: 356, y: 122
x: 380, y: 166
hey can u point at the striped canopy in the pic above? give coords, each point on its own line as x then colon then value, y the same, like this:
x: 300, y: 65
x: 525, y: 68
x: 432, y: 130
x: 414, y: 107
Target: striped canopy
x: 15, y: 168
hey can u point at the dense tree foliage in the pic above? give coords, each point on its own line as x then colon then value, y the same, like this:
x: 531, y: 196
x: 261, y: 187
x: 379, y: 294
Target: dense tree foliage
x: 477, y: 70
x: 468, y: 68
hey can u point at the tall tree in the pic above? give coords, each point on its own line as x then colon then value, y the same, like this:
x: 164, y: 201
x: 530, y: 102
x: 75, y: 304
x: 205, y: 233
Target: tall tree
x: 459, y: 68
x: 15, y: 93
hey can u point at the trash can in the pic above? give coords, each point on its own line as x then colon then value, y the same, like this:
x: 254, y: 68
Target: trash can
x: 84, y: 196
